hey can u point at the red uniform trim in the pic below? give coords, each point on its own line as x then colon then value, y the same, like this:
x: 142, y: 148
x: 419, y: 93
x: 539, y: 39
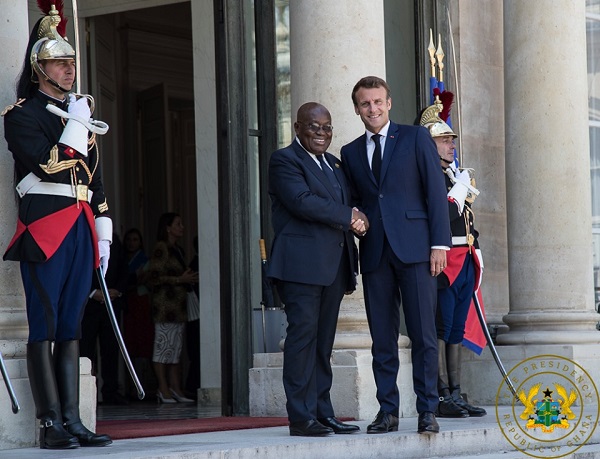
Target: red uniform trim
x: 474, y: 337
x: 60, y: 223
x: 455, y: 259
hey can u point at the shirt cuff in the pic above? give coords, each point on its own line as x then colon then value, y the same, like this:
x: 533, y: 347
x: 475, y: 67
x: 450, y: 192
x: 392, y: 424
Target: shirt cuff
x: 440, y: 247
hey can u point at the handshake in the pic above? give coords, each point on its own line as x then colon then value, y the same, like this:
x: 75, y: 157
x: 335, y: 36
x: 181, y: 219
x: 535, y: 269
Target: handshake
x: 359, y: 223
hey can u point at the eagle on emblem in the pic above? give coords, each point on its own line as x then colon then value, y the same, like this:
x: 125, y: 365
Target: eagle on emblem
x: 527, y: 401
x: 567, y: 401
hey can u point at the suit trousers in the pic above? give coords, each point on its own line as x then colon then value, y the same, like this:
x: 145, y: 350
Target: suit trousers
x: 385, y: 288
x: 312, y: 313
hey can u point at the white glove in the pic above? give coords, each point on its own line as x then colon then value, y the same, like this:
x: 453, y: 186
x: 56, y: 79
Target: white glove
x: 458, y: 193
x: 463, y: 177
x: 104, y: 252
x: 75, y: 134
x: 79, y: 107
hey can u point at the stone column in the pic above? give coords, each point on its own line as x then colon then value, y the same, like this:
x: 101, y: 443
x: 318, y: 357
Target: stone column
x: 327, y: 59
x: 13, y: 322
x: 548, y: 175
x: 19, y: 430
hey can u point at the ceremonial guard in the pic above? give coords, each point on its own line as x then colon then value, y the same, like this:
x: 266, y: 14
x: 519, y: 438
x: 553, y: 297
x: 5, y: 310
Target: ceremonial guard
x: 63, y: 228
x: 462, y: 275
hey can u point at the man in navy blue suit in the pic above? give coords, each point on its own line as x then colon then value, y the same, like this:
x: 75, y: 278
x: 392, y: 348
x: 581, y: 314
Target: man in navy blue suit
x: 313, y: 264
x: 395, y: 179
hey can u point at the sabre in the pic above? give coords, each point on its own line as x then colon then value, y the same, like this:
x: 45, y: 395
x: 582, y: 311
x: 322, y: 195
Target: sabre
x: 493, y: 350
x: 77, y: 61
x: 115, y: 326
x: 11, y: 393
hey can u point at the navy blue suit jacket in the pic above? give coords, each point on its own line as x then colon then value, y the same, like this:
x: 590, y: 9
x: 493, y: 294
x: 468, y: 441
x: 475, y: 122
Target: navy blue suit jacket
x: 311, y: 225
x: 409, y: 206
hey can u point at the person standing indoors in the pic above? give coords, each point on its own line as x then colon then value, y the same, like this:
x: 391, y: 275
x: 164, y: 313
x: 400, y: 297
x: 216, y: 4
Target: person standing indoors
x: 396, y: 180
x: 463, y: 272
x: 169, y: 280
x: 63, y: 228
x: 312, y: 264
x: 138, y: 327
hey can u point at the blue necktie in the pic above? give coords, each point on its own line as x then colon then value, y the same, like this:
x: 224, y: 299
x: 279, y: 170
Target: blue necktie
x: 330, y: 176
x: 376, y: 160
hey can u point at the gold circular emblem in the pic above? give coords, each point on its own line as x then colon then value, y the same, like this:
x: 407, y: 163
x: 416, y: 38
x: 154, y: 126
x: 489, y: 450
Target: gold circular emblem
x: 556, y: 410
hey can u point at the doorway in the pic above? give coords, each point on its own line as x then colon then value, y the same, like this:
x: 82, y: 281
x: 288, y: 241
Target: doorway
x: 143, y: 81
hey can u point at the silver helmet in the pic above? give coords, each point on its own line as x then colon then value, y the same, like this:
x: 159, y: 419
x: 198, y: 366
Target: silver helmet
x: 50, y: 45
x: 432, y: 121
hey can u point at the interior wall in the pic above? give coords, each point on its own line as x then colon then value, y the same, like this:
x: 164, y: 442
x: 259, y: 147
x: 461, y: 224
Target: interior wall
x: 156, y: 49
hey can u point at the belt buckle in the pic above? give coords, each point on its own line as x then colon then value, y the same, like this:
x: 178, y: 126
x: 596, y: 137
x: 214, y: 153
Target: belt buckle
x: 82, y: 192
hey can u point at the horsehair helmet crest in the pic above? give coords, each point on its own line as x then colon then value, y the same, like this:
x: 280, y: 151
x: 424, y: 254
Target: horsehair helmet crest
x: 432, y: 116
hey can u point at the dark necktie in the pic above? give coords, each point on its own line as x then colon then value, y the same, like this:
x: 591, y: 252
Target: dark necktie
x: 376, y: 160
x: 330, y: 176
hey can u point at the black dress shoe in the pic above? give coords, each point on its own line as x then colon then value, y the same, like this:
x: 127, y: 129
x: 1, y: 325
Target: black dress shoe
x: 54, y: 436
x: 311, y: 428
x: 338, y: 426
x: 383, y: 423
x: 86, y: 437
x: 427, y: 423
x: 448, y: 409
x: 474, y: 411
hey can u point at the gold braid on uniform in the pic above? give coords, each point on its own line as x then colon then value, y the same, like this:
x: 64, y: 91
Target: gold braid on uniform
x: 470, y: 238
x: 54, y: 166
x: 86, y: 169
x: 8, y: 108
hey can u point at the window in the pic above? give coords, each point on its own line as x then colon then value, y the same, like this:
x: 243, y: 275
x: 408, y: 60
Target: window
x: 593, y: 57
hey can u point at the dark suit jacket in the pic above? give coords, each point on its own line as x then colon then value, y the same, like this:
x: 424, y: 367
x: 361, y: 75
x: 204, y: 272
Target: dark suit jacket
x: 410, y: 206
x: 311, y: 226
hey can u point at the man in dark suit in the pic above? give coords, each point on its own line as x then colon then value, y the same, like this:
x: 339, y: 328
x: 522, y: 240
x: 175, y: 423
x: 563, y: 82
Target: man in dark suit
x: 312, y: 264
x: 396, y: 180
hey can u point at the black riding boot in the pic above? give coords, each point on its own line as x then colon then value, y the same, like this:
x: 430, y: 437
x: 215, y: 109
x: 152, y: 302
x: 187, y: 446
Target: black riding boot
x: 45, y: 396
x: 454, y: 363
x: 66, y: 366
x: 446, y: 407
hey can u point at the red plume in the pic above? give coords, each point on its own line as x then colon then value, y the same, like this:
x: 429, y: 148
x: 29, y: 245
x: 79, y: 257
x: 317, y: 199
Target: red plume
x: 447, y: 98
x: 45, y: 6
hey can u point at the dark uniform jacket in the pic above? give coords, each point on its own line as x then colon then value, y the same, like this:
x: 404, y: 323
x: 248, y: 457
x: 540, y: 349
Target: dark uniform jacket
x: 32, y: 133
x: 461, y: 225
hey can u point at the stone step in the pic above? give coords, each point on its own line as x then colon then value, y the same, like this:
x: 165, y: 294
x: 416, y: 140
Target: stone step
x: 477, y: 438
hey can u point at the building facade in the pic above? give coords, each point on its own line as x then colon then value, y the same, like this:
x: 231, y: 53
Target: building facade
x: 198, y: 94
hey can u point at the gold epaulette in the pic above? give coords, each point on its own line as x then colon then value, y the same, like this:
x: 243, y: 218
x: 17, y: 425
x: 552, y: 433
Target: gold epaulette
x: 8, y: 108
